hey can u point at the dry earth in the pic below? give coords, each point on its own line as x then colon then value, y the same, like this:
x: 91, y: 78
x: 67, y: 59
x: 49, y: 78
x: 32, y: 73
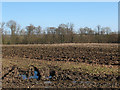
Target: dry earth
x: 70, y: 65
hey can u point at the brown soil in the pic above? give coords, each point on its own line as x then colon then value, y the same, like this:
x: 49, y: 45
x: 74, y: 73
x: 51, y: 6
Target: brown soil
x: 88, y: 53
x: 78, y: 66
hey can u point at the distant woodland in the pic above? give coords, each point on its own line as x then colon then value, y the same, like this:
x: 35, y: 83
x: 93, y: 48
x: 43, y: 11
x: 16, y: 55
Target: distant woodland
x: 12, y: 33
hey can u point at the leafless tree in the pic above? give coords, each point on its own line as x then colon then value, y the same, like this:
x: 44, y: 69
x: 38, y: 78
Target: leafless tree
x: 30, y: 29
x: 98, y: 28
x: 108, y: 30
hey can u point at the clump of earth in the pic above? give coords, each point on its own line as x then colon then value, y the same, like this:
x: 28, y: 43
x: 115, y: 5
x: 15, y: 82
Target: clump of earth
x: 34, y: 77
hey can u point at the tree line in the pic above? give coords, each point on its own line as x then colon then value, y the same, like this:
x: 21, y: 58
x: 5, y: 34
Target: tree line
x: 12, y: 33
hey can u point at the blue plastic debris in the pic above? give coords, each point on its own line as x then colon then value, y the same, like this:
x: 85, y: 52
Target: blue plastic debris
x: 50, y: 76
x: 23, y: 76
x: 34, y: 77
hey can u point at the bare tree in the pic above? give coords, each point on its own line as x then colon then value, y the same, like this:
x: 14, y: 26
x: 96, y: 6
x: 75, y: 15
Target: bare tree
x: 108, y: 30
x: 30, y: 29
x: 18, y: 29
x: 38, y: 30
x: 82, y: 31
x: 2, y: 26
x: 102, y: 30
x: 13, y: 27
x: 64, y: 33
x: 30, y: 34
x: 98, y: 28
x: 71, y: 32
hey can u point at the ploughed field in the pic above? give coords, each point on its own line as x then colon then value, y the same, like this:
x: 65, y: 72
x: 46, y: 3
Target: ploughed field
x: 60, y: 65
x: 88, y: 53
